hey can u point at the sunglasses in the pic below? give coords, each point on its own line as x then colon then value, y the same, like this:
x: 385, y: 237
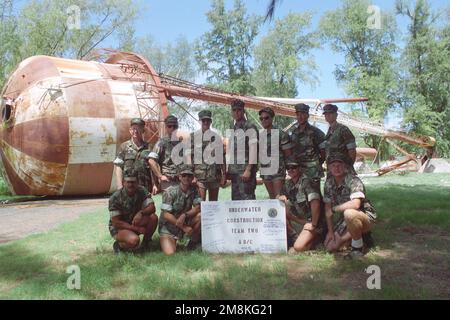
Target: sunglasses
x: 264, y: 118
x: 170, y: 126
x: 206, y: 120
x: 184, y: 175
x: 291, y: 167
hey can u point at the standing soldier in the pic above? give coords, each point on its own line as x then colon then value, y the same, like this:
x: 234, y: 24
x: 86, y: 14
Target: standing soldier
x: 345, y: 195
x: 243, y: 175
x: 274, y: 182
x: 160, y: 159
x: 309, y: 148
x: 339, y: 138
x: 303, y: 206
x: 133, y: 155
x: 132, y: 213
x: 209, y: 174
x: 180, y: 213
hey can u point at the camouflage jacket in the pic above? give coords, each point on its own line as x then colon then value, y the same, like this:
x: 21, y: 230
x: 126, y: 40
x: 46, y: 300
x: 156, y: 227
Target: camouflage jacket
x: 203, y: 171
x: 175, y: 201
x: 307, y: 146
x: 162, y: 154
x: 351, y: 188
x: 121, y: 204
x: 234, y: 166
x: 339, y: 140
x: 132, y: 157
x: 284, y: 143
x: 299, y: 195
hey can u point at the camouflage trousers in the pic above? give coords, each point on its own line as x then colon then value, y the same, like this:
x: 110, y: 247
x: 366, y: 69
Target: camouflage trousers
x: 243, y: 190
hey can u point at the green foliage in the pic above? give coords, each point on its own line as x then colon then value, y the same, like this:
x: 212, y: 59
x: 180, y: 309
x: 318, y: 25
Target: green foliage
x: 426, y: 61
x: 174, y: 60
x: 44, y: 27
x: 369, y: 69
x: 224, y: 53
x: 283, y: 60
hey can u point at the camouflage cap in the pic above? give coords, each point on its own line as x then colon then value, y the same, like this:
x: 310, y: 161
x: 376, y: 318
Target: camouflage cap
x: 237, y: 104
x: 171, y: 119
x: 292, y: 162
x: 267, y: 110
x: 185, y: 169
x: 205, y: 114
x: 330, y: 108
x: 336, y: 157
x: 137, y: 121
x: 130, y: 175
x: 301, y: 107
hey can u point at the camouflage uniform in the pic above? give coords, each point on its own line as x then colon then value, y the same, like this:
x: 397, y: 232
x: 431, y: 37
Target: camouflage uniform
x: 161, y: 153
x: 176, y: 202
x: 133, y: 158
x: 207, y: 174
x: 299, y: 196
x: 239, y: 189
x: 339, y: 140
x: 284, y: 143
x: 307, y: 146
x: 351, y: 188
x: 121, y: 204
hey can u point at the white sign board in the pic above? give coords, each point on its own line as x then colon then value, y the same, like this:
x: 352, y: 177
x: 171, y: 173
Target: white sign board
x: 243, y: 226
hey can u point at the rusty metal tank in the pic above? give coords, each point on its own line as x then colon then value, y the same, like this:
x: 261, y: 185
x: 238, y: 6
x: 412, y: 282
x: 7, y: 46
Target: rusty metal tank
x: 63, y: 121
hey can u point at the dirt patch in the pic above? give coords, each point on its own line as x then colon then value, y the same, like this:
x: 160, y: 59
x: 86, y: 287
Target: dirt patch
x: 19, y: 220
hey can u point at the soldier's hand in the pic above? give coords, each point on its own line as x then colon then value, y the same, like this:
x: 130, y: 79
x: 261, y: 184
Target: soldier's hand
x: 246, y: 176
x: 282, y: 198
x: 180, y: 221
x: 140, y: 230
x: 155, y: 189
x: 164, y: 178
x: 187, y: 230
x: 330, y: 237
x: 137, y: 219
x: 223, y: 181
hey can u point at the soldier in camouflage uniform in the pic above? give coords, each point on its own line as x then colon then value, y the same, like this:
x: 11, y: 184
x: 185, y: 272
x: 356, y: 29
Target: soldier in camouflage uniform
x: 209, y: 173
x: 132, y: 213
x: 133, y: 155
x: 160, y: 159
x: 309, y: 145
x: 339, y: 138
x: 243, y: 175
x: 345, y: 194
x: 274, y: 182
x: 180, y: 213
x: 303, y: 206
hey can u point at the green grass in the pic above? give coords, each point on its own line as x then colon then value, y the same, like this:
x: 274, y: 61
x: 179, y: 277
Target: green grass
x: 412, y: 251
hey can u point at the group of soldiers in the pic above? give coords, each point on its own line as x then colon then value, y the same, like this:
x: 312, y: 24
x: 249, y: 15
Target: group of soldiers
x: 342, y: 216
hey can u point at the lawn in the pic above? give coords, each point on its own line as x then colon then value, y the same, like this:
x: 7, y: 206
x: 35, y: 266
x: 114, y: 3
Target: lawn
x: 413, y: 253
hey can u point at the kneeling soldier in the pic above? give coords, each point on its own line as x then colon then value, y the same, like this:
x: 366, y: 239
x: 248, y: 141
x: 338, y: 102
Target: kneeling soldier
x: 180, y: 213
x: 303, y: 206
x: 132, y: 213
x: 345, y: 193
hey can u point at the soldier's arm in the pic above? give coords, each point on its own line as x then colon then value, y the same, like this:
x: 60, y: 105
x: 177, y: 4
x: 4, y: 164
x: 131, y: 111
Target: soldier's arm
x: 350, y: 143
x: 169, y: 217
x: 122, y: 225
x: 119, y: 163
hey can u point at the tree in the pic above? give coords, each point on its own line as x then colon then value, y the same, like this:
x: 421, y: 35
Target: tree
x: 426, y: 61
x: 370, y: 69
x: 224, y: 53
x: 283, y: 59
x: 174, y: 60
x: 49, y: 27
